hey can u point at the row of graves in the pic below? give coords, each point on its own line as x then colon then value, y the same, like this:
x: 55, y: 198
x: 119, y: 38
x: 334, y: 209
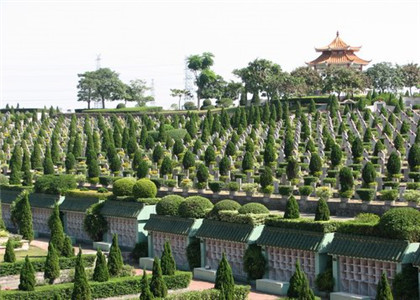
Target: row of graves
x: 235, y: 150
x: 127, y: 219
x: 266, y: 248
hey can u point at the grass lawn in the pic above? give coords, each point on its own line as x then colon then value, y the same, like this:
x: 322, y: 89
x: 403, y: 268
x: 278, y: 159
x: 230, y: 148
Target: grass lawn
x: 33, y: 252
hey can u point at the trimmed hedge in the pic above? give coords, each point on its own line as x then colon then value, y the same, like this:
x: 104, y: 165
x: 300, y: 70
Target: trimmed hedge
x: 195, y: 207
x: 112, y: 288
x: 144, y: 188
x: 88, y: 194
x: 366, y: 194
x: 240, y: 293
x: 7, y: 269
x: 123, y: 187
x: 169, y: 205
x: 253, y: 208
x: 285, y: 190
x: 55, y: 184
x: 302, y: 224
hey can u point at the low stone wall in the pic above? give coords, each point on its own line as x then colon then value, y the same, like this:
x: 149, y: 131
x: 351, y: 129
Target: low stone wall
x: 12, y: 282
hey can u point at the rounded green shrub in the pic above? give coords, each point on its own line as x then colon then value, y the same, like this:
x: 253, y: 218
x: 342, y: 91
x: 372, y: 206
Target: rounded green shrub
x: 253, y: 208
x: 401, y: 223
x: 254, y: 262
x: 169, y: 205
x: 225, y: 205
x: 144, y: 188
x: 195, y: 207
x: 123, y: 187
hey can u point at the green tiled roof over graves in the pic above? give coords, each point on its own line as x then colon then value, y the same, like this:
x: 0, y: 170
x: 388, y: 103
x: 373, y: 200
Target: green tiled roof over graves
x: 77, y: 204
x: 169, y: 224
x: 225, y: 231
x: 290, y: 238
x: 43, y: 200
x: 7, y: 196
x: 368, y: 247
x: 121, y: 209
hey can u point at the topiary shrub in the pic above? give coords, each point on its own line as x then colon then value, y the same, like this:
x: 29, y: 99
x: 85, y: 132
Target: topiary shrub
x: 55, y: 184
x: 216, y: 186
x: 254, y: 262
x: 194, y: 254
x: 292, y: 209
x: 253, y: 208
x: 367, y: 218
x: 227, y: 204
x: 401, y: 223
x: 123, y: 187
x: 195, y: 207
x: 305, y: 190
x: 389, y: 195
x: 144, y: 188
x: 366, y: 194
x: 169, y: 205
x: 322, y: 212
x: 285, y: 190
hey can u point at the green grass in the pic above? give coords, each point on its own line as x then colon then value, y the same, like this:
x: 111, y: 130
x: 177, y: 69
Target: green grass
x: 33, y: 252
x: 126, y: 109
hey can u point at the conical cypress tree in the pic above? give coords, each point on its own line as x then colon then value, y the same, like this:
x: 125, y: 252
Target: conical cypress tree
x: 296, y: 282
x: 322, y: 211
x: 292, y: 209
x: 26, y: 170
x: 100, y: 273
x: 56, y: 229
x: 145, y: 293
x: 2, y: 225
x: 52, y: 266
x: 48, y: 164
x: 36, y: 156
x: 224, y: 279
x: 306, y: 293
x: 16, y: 165
x: 68, y: 250
x: 9, y: 255
x: 157, y: 284
x: 81, y: 288
x: 27, y: 276
x: 167, y: 260
x: 115, y: 260
x: 383, y: 291
x: 25, y: 222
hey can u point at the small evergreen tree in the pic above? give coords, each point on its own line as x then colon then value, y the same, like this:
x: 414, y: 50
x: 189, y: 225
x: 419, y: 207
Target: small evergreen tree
x: 248, y: 161
x: 224, y: 279
x: 322, y: 212
x: 368, y: 173
x: 296, y: 282
x: 266, y: 177
x: 336, y: 155
x: 100, y: 272
x: 68, y: 250
x: 166, y: 167
x: 25, y: 221
x: 383, y: 291
x: 346, y: 179
x: 315, y: 164
x: 52, y: 266
x: 56, y: 229
x: 115, y: 260
x: 81, y: 288
x: 393, y: 165
x: 27, y: 276
x: 145, y: 293
x: 167, y: 260
x: 292, y: 209
x: 157, y: 284
x: 414, y: 156
x: 70, y: 162
x: 202, y: 173
x: 306, y: 293
x: 48, y: 163
x: 188, y: 160
x: 224, y: 166
x: 143, y: 169
x: 9, y: 255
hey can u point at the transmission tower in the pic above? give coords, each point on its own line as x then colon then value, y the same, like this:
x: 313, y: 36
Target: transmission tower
x: 189, y: 82
x: 98, y: 104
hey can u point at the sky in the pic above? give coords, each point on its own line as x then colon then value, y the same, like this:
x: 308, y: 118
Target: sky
x: 45, y: 44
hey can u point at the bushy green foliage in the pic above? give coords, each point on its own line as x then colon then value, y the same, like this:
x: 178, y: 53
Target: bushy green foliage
x: 305, y: 190
x: 167, y: 260
x: 144, y: 188
x: 322, y: 212
x: 315, y: 164
x: 123, y: 186
x: 253, y: 208
x: 405, y: 284
x: 188, y: 160
x: 157, y: 284
x: 169, y: 205
x: 393, y: 165
x: 56, y: 230
x: 226, y: 204
x: 248, y: 161
x: 195, y: 207
x: 414, y: 156
x: 52, y: 266
x: 55, y: 184
x: 216, y: 186
x: 325, y: 281
x: 368, y: 173
x: 115, y: 260
x: 25, y: 218
x: 401, y: 223
x: 166, y: 167
x: 266, y: 177
x: 224, y: 279
x: 346, y: 179
x: 366, y: 194
x: 299, y: 285
x: 194, y: 254
x: 145, y: 293
x: 202, y: 173
x: 292, y: 209
x: 9, y: 255
x: 95, y: 223
x: 81, y: 288
x: 27, y: 276
x: 254, y: 262
x: 100, y: 273
x: 383, y: 290
x: 389, y: 195
x: 143, y: 169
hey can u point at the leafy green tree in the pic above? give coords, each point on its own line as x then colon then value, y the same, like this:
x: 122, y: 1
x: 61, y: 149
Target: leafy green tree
x: 143, y: 169
x: 209, y: 155
x: 9, y: 255
x: 57, y: 232
x: 68, y: 250
x: 100, y: 272
x: 27, y: 276
x: 86, y: 87
x: 202, y: 173
x: 292, y: 209
x: 368, y: 173
x: 414, y: 156
x: 336, y: 155
x: 315, y: 164
x: 296, y: 282
x: 248, y: 161
x: 166, y: 167
x: 292, y: 168
x: 167, y: 260
x: 48, y: 163
x: 157, y: 284
x: 81, y: 288
x: 145, y: 293
x: 16, y: 165
x: 410, y: 74
x: 393, y: 165
x: 25, y: 219
x: 224, y: 279
x: 115, y: 260
x: 322, y: 212
x: 346, y: 179
x: 384, y: 76
x: 70, y: 162
x: 357, y: 148
x: 230, y: 149
x: 266, y: 177
x: 269, y: 155
x: 188, y: 160
x: 136, y: 90
x: 383, y: 290
x: 52, y: 266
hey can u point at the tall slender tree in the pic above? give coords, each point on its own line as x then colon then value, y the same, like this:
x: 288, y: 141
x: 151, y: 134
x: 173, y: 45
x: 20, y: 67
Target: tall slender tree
x: 56, y: 229
x: 167, y: 260
x: 115, y: 260
x: 81, y: 288
x: 100, y: 272
x: 27, y: 276
x: 52, y: 266
x: 224, y: 279
x: 157, y: 284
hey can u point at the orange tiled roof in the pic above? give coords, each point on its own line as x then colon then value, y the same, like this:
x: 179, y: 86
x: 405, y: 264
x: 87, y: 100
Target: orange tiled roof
x: 334, y: 58
x: 337, y: 44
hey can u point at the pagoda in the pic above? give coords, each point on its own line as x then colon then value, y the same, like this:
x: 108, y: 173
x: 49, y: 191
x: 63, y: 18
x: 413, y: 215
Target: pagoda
x: 338, y: 53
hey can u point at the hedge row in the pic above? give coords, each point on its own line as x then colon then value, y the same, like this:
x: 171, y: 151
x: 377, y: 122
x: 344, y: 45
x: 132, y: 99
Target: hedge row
x: 7, y: 269
x: 302, y: 224
x: 241, y: 293
x: 112, y: 288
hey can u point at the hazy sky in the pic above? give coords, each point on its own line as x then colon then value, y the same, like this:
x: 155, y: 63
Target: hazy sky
x: 45, y: 44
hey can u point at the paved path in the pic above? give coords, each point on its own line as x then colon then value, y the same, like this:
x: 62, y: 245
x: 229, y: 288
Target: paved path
x: 195, y: 285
